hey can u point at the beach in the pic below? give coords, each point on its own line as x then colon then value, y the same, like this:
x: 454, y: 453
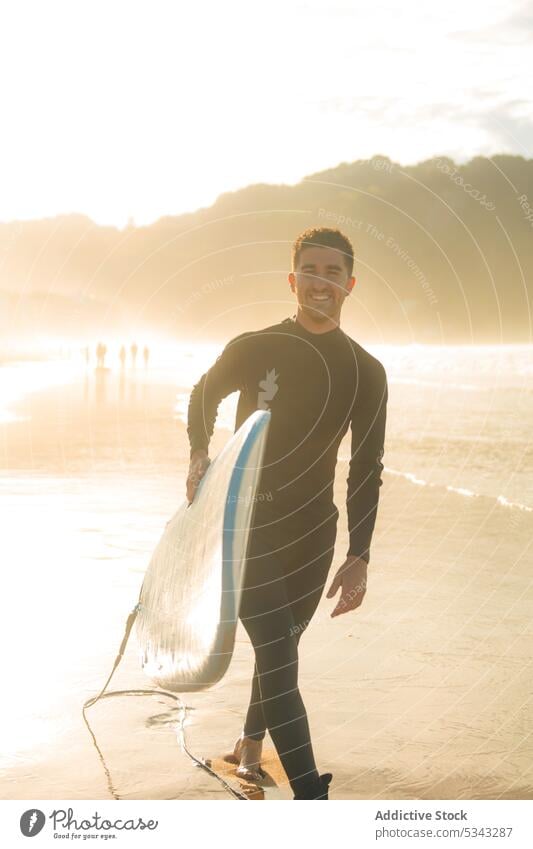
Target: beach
x: 423, y: 693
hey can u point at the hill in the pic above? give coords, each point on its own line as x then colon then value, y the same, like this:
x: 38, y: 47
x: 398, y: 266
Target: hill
x: 444, y: 253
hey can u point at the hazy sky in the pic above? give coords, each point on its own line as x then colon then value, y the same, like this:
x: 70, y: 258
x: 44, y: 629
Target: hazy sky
x: 143, y: 109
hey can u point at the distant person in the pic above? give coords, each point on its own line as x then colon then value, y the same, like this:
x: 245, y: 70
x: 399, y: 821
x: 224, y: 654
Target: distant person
x: 317, y: 382
x: 146, y: 356
x: 101, y: 351
x: 87, y: 355
x: 122, y: 357
x: 133, y: 351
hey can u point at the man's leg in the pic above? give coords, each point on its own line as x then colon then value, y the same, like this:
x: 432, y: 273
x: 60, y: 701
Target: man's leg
x: 255, y: 725
x: 255, y: 722
x: 248, y: 748
x: 268, y: 618
x: 304, y: 595
x: 276, y: 656
x: 303, y: 608
x: 306, y: 570
x: 284, y: 585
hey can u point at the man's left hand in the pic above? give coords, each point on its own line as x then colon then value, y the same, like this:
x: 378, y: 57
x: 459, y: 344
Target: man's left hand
x: 351, y: 579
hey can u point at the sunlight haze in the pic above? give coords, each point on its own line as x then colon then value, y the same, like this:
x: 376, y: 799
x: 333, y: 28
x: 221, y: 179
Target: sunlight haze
x: 134, y: 111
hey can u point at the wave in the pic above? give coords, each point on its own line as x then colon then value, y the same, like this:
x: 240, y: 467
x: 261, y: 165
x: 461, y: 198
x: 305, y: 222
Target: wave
x: 459, y: 490
x: 506, y: 503
x: 408, y: 476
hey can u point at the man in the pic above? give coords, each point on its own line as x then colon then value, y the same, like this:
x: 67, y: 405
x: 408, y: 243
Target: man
x: 316, y: 381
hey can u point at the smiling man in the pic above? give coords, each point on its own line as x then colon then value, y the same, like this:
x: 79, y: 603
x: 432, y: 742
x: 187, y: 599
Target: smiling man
x: 317, y: 382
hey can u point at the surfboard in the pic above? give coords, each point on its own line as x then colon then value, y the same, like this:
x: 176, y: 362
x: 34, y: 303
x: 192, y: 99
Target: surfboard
x: 189, y: 603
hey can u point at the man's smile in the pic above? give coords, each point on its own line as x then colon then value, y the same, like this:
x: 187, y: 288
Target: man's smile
x: 320, y: 297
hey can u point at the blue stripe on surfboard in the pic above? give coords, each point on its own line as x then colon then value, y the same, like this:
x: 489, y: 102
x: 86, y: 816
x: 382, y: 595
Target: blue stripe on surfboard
x: 230, y: 512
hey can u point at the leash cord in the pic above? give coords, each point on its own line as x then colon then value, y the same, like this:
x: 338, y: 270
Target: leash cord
x: 153, y: 692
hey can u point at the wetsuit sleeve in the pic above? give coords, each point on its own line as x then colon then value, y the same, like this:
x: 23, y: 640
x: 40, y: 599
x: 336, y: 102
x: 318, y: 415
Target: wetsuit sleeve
x: 224, y: 377
x: 364, y: 478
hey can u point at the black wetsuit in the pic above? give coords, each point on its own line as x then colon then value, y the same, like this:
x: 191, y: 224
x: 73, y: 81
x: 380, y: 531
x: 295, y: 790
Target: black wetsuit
x: 316, y: 386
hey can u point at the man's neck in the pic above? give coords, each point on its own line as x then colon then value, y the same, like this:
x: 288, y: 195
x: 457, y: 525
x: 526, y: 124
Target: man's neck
x: 316, y: 326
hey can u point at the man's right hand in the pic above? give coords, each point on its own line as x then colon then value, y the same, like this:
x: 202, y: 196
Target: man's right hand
x: 197, y: 469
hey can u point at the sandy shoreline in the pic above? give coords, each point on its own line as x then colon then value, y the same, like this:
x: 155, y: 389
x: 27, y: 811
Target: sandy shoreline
x: 423, y: 693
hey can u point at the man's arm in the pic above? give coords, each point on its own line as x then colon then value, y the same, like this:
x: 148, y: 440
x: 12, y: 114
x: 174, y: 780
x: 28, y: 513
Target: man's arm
x: 223, y: 378
x: 364, y: 481
x: 364, y: 478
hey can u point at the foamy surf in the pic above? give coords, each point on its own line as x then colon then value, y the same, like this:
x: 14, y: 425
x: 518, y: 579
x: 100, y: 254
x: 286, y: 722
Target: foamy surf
x: 459, y: 490
x: 506, y: 503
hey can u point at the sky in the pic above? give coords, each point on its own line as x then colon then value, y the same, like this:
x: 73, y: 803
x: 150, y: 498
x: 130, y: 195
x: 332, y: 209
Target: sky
x: 136, y: 110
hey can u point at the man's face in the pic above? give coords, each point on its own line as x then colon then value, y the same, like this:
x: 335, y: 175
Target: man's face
x: 321, y: 282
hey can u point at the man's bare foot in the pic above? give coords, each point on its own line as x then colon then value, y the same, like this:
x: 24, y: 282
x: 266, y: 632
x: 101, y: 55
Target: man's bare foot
x: 247, y: 754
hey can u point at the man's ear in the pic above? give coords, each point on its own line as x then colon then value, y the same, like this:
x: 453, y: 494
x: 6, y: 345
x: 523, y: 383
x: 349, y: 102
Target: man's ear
x: 351, y: 283
x: 292, y: 280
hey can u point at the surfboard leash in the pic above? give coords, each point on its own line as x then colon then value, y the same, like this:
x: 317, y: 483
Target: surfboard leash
x: 180, y: 733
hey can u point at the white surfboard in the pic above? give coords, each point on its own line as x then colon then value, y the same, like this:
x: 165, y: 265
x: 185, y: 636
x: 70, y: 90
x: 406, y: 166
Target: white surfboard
x: 189, y: 604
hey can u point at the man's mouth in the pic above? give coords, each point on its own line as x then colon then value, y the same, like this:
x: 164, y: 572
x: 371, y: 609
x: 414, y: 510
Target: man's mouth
x: 320, y: 299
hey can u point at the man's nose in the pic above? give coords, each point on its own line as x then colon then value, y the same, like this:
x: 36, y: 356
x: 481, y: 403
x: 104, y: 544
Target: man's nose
x: 320, y: 282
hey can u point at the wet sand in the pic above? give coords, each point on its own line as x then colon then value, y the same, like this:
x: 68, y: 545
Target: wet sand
x: 423, y: 693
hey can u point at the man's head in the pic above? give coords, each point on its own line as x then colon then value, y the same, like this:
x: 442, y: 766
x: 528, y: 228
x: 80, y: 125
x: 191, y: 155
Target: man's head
x: 321, y: 276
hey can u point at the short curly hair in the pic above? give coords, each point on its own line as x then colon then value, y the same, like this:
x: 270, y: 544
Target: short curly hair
x: 324, y: 237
